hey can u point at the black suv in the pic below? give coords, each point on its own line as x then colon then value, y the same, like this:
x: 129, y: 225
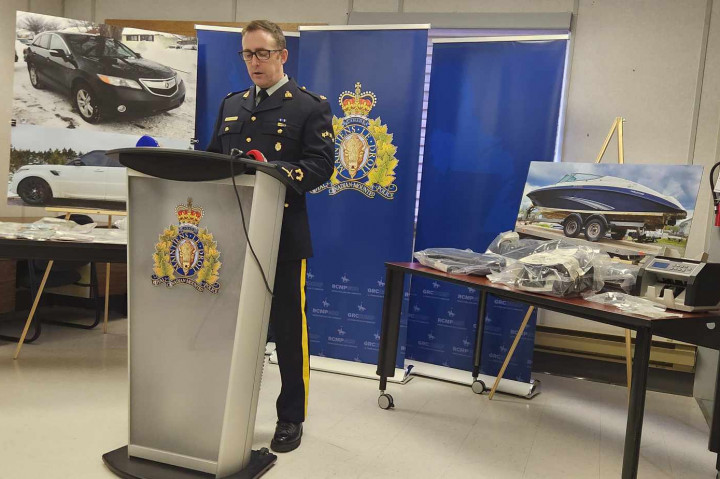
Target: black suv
x: 103, y: 76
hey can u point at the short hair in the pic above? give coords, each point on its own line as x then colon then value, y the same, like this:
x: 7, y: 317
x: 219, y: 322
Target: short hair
x: 270, y: 27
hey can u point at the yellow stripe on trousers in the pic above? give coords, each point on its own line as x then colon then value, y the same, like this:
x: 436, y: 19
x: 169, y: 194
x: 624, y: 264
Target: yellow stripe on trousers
x: 305, y: 351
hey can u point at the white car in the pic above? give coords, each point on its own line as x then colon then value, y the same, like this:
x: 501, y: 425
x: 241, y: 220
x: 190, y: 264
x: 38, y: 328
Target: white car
x: 92, y: 176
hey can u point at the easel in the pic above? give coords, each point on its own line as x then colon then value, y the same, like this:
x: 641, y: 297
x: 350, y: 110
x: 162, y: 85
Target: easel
x: 617, y: 125
x: 36, y: 301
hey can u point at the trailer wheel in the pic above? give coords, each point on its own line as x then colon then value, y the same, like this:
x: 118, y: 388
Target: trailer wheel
x: 572, y: 225
x: 595, y: 229
x: 618, y: 234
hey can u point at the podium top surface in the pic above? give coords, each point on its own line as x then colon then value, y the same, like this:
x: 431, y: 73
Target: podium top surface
x: 190, y: 165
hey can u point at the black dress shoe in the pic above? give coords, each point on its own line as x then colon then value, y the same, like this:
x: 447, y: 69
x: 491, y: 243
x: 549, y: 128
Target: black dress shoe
x: 287, y: 436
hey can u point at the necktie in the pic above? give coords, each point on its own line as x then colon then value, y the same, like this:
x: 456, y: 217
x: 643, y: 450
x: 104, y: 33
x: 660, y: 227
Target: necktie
x: 262, y: 94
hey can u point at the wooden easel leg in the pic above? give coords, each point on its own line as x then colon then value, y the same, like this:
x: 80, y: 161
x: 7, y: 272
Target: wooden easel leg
x: 621, y: 148
x: 607, y: 141
x: 34, y: 307
x: 628, y: 358
x: 512, y: 350
x: 618, y: 125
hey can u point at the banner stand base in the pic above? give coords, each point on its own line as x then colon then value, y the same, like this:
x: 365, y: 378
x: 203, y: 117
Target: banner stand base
x: 350, y: 368
x: 122, y: 465
x: 459, y: 376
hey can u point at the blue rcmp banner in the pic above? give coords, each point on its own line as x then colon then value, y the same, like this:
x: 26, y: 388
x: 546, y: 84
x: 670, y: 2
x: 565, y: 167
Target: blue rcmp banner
x: 484, y: 127
x: 221, y: 71
x: 363, y: 216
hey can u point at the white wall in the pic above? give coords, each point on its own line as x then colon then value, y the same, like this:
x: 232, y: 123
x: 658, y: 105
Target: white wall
x: 376, y: 6
x: 333, y: 12
x: 707, y: 145
x: 641, y: 64
x: 218, y: 10
x: 488, y: 6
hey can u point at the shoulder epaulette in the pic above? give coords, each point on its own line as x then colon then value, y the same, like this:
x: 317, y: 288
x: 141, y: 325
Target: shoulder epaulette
x: 235, y: 93
x: 316, y: 96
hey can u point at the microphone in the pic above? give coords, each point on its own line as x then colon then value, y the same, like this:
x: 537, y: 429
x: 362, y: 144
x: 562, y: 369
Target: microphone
x: 256, y: 155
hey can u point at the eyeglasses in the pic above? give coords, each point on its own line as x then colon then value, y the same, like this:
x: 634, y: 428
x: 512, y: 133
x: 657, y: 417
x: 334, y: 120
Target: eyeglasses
x: 262, y: 55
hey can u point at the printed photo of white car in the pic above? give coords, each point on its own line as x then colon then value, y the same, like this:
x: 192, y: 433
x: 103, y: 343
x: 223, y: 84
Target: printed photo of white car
x: 69, y: 167
x: 92, y: 176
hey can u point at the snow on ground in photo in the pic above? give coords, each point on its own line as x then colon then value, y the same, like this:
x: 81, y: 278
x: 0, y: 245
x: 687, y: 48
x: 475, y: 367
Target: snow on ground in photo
x: 54, y: 109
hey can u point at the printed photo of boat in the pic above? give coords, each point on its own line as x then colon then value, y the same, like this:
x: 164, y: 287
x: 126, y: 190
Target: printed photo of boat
x: 611, y: 203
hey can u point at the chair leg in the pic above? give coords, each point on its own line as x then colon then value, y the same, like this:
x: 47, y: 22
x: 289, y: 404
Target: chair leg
x: 37, y: 329
x: 95, y: 295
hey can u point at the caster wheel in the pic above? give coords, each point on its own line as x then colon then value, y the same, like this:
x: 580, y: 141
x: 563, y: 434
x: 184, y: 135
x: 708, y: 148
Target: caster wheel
x: 478, y: 387
x: 385, y: 401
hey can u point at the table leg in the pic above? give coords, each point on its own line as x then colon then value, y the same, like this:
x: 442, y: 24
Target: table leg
x: 714, y: 443
x: 390, y: 329
x: 477, y: 355
x: 34, y: 307
x: 636, y: 408
x: 628, y: 358
x: 512, y: 350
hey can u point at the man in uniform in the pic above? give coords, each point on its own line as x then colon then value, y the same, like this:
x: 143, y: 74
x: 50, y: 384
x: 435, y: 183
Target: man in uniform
x: 292, y: 127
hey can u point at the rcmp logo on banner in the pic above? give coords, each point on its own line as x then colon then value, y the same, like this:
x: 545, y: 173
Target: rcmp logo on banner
x: 364, y: 154
x: 187, y: 254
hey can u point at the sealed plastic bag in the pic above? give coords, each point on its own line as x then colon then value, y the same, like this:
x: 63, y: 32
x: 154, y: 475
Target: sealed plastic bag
x: 632, y: 304
x: 556, y: 268
x: 615, y: 275
x: 60, y: 225
x: 511, y: 246
x: 460, y: 261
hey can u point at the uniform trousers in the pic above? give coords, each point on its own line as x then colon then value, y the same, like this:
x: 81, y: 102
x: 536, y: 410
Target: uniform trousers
x: 288, y: 320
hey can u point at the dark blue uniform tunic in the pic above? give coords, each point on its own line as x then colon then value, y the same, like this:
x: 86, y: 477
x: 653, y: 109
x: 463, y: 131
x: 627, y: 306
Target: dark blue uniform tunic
x: 292, y: 127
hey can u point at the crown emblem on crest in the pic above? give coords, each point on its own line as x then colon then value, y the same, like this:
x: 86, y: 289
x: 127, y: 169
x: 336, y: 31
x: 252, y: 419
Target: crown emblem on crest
x: 357, y: 103
x: 188, y: 215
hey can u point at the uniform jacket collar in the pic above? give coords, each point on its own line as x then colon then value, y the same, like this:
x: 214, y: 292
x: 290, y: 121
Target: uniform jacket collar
x: 285, y: 93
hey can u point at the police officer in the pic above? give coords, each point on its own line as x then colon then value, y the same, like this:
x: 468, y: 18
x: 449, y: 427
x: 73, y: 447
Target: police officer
x: 292, y: 127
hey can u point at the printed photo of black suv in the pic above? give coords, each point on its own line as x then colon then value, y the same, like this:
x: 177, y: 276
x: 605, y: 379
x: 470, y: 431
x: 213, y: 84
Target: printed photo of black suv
x: 103, y: 77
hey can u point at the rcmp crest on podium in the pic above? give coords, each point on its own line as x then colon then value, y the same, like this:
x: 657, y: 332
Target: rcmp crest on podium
x: 186, y: 253
x: 364, y: 154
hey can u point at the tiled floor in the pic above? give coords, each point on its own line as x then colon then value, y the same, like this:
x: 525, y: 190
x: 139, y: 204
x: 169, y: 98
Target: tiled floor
x: 64, y: 404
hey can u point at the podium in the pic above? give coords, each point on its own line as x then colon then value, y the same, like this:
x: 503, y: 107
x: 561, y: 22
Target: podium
x: 198, y: 311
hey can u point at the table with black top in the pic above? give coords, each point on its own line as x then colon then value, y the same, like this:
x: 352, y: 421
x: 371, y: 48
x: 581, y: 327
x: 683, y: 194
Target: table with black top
x: 51, y: 251
x: 702, y: 329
